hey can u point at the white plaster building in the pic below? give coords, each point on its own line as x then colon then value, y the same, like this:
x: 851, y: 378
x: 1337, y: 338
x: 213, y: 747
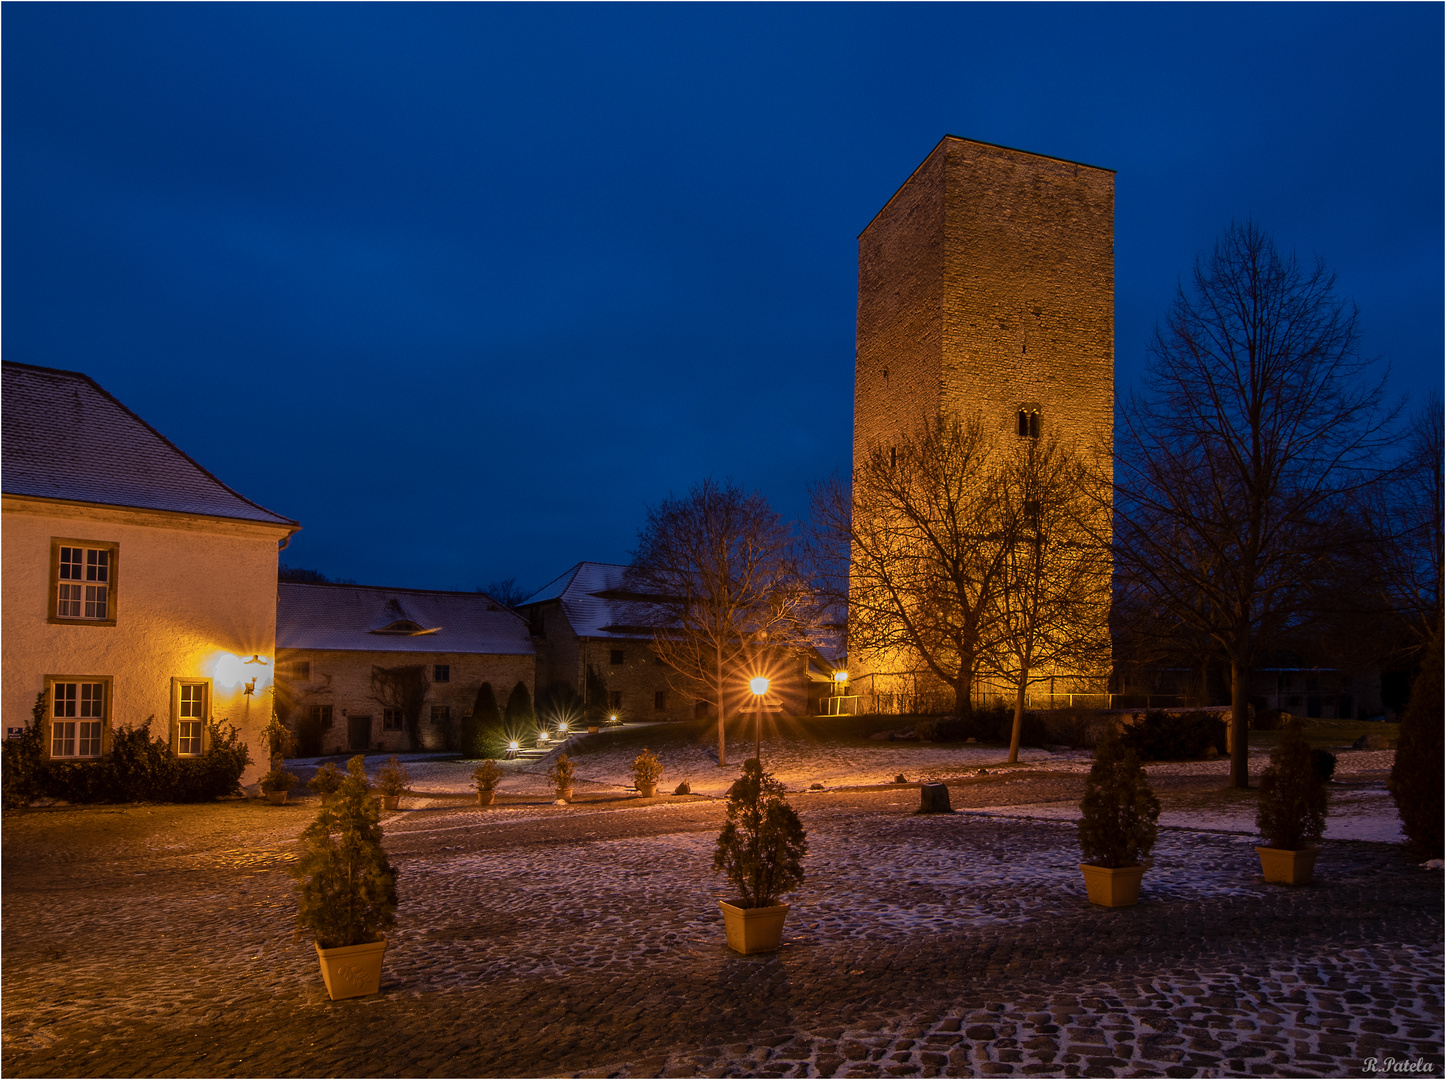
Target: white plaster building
x: 136, y: 584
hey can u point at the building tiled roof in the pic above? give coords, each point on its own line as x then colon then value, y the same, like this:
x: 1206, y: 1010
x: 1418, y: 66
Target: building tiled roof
x: 589, y: 613
x: 66, y: 438
x: 349, y: 617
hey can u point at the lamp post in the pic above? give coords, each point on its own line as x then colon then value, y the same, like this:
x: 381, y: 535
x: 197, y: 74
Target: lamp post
x: 759, y: 686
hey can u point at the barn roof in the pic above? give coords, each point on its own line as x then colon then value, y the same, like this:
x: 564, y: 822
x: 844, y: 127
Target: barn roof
x: 367, y: 618
x: 593, y: 599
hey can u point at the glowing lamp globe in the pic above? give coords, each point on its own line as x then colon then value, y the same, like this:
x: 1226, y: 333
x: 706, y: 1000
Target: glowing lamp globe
x: 514, y: 745
x: 840, y: 676
x: 758, y: 685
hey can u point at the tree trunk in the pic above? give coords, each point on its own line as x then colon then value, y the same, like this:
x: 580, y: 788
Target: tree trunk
x: 1018, y: 715
x: 963, y: 699
x: 1239, y: 726
x: 722, y: 746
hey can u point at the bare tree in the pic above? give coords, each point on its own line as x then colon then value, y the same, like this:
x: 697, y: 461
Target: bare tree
x: 1253, y: 428
x: 927, y: 550
x: 716, y: 581
x: 506, y: 591
x: 1054, y: 589
x: 1412, y: 508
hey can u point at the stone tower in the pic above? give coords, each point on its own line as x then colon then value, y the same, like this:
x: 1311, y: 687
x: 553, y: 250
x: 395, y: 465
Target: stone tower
x: 986, y: 287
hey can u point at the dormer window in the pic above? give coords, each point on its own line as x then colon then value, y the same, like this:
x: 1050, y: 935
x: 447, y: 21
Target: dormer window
x: 404, y: 627
x: 1028, y: 420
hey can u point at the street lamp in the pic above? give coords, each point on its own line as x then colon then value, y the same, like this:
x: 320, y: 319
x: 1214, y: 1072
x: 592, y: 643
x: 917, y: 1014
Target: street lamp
x: 759, y: 685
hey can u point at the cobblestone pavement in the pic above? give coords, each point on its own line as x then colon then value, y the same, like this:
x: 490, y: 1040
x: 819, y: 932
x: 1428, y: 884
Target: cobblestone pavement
x: 536, y: 940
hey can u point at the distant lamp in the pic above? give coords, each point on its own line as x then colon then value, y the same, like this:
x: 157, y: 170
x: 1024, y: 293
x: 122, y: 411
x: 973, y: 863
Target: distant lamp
x: 840, y: 676
x: 513, y: 747
x: 562, y: 726
x: 542, y: 736
x: 759, y: 685
x: 613, y: 718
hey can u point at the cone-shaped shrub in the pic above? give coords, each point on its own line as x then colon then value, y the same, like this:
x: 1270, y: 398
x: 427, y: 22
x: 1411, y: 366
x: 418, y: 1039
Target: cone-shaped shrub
x: 561, y: 774
x: 762, y: 843
x: 346, y: 891
x: 1416, y: 776
x: 1292, y: 810
x: 1119, y: 811
x: 647, y: 768
x: 483, y: 727
x: 519, y: 709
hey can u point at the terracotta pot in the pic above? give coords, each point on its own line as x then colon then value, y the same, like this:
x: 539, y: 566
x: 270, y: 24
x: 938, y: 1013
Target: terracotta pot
x: 276, y: 798
x: 565, y: 794
x: 352, y: 970
x: 647, y: 791
x: 1282, y: 867
x: 389, y: 802
x: 1111, y: 886
x: 753, y: 930
x: 486, y: 798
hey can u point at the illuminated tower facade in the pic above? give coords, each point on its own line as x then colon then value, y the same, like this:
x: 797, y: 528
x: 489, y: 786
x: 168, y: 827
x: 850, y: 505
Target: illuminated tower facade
x: 986, y: 288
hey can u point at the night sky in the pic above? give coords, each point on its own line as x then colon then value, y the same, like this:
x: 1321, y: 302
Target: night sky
x: 464, y: 289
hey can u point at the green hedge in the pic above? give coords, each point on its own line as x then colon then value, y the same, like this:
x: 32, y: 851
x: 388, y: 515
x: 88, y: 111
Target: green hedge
x: 138, y: 768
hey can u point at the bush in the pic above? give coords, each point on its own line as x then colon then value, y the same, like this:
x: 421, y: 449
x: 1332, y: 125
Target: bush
x: 519, y: 709
x: 484, y: 727
x: 1416, y: 775
x: 1079, y: 729
x: 487, y: 776
x: 1293, y: 796
x: 1163, y: 736
x: 278, y: 780
x: 1119, y: 811
x: 560, y: 774
x: 138, y: 768
x: 346, y: 891
x: 22, y: 761
x: 327, y: 779
x: 647, y: 769
x: 1323, y: 762
x: 392, y: 778
x: 1270, y: 719
x: 762, y: 842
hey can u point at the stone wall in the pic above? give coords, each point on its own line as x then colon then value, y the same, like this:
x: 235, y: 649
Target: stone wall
x: 343, y: 680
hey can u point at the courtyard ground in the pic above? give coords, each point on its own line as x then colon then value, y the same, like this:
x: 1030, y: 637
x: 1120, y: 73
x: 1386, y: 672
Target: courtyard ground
x: 536, y: 939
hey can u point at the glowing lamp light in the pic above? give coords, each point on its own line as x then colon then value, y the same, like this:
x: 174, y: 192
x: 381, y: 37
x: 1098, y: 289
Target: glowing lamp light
x: 614, y: 716
x: 562, y: 726
x: 840, y: 676
x: 542, y: 736
x: 514, y: 745
x: 759, y: 685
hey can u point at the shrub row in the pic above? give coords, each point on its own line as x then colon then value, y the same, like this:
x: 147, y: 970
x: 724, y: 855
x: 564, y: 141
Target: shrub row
x: 139, y: 768
x: 1157, y: 736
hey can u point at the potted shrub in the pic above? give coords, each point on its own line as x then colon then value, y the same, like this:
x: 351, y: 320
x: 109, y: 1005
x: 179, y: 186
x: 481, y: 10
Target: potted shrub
x: 393, y: 780
x: 1117, y: 825
x: 276, y: 783
x: 486, y: 776
x: 1292, y: 811
x: 326, y: 779
x: 760, y: 849
x: 346, y: 891
x: 560, y: 774
x: 647, y: 771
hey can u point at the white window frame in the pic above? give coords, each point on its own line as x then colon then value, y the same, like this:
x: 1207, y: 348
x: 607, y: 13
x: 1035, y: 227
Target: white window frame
x: 190, y: 719
x: 83, y: 581
x: 77, y: 717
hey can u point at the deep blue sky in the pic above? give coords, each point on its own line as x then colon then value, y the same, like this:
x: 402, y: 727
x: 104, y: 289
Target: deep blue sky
x: 465, y: 288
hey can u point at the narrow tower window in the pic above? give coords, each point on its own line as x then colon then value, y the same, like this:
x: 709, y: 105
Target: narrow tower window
x: 1028, y: 421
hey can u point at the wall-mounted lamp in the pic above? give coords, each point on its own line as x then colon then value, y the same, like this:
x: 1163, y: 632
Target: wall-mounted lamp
x: 255, y: 659
x: 249, y: 688
x: 840, y: 676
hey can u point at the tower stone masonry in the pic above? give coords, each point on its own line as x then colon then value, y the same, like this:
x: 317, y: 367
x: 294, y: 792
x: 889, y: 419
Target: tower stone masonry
x: 986, y: 288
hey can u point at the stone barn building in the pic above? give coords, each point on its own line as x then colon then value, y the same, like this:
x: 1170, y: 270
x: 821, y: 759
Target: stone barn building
x: 986, y: 288
x: 332, y: 640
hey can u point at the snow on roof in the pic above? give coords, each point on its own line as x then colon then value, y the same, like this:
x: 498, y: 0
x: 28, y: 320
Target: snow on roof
x: 66, y: 438
x: 588, y: 610
x: 371, y: 618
